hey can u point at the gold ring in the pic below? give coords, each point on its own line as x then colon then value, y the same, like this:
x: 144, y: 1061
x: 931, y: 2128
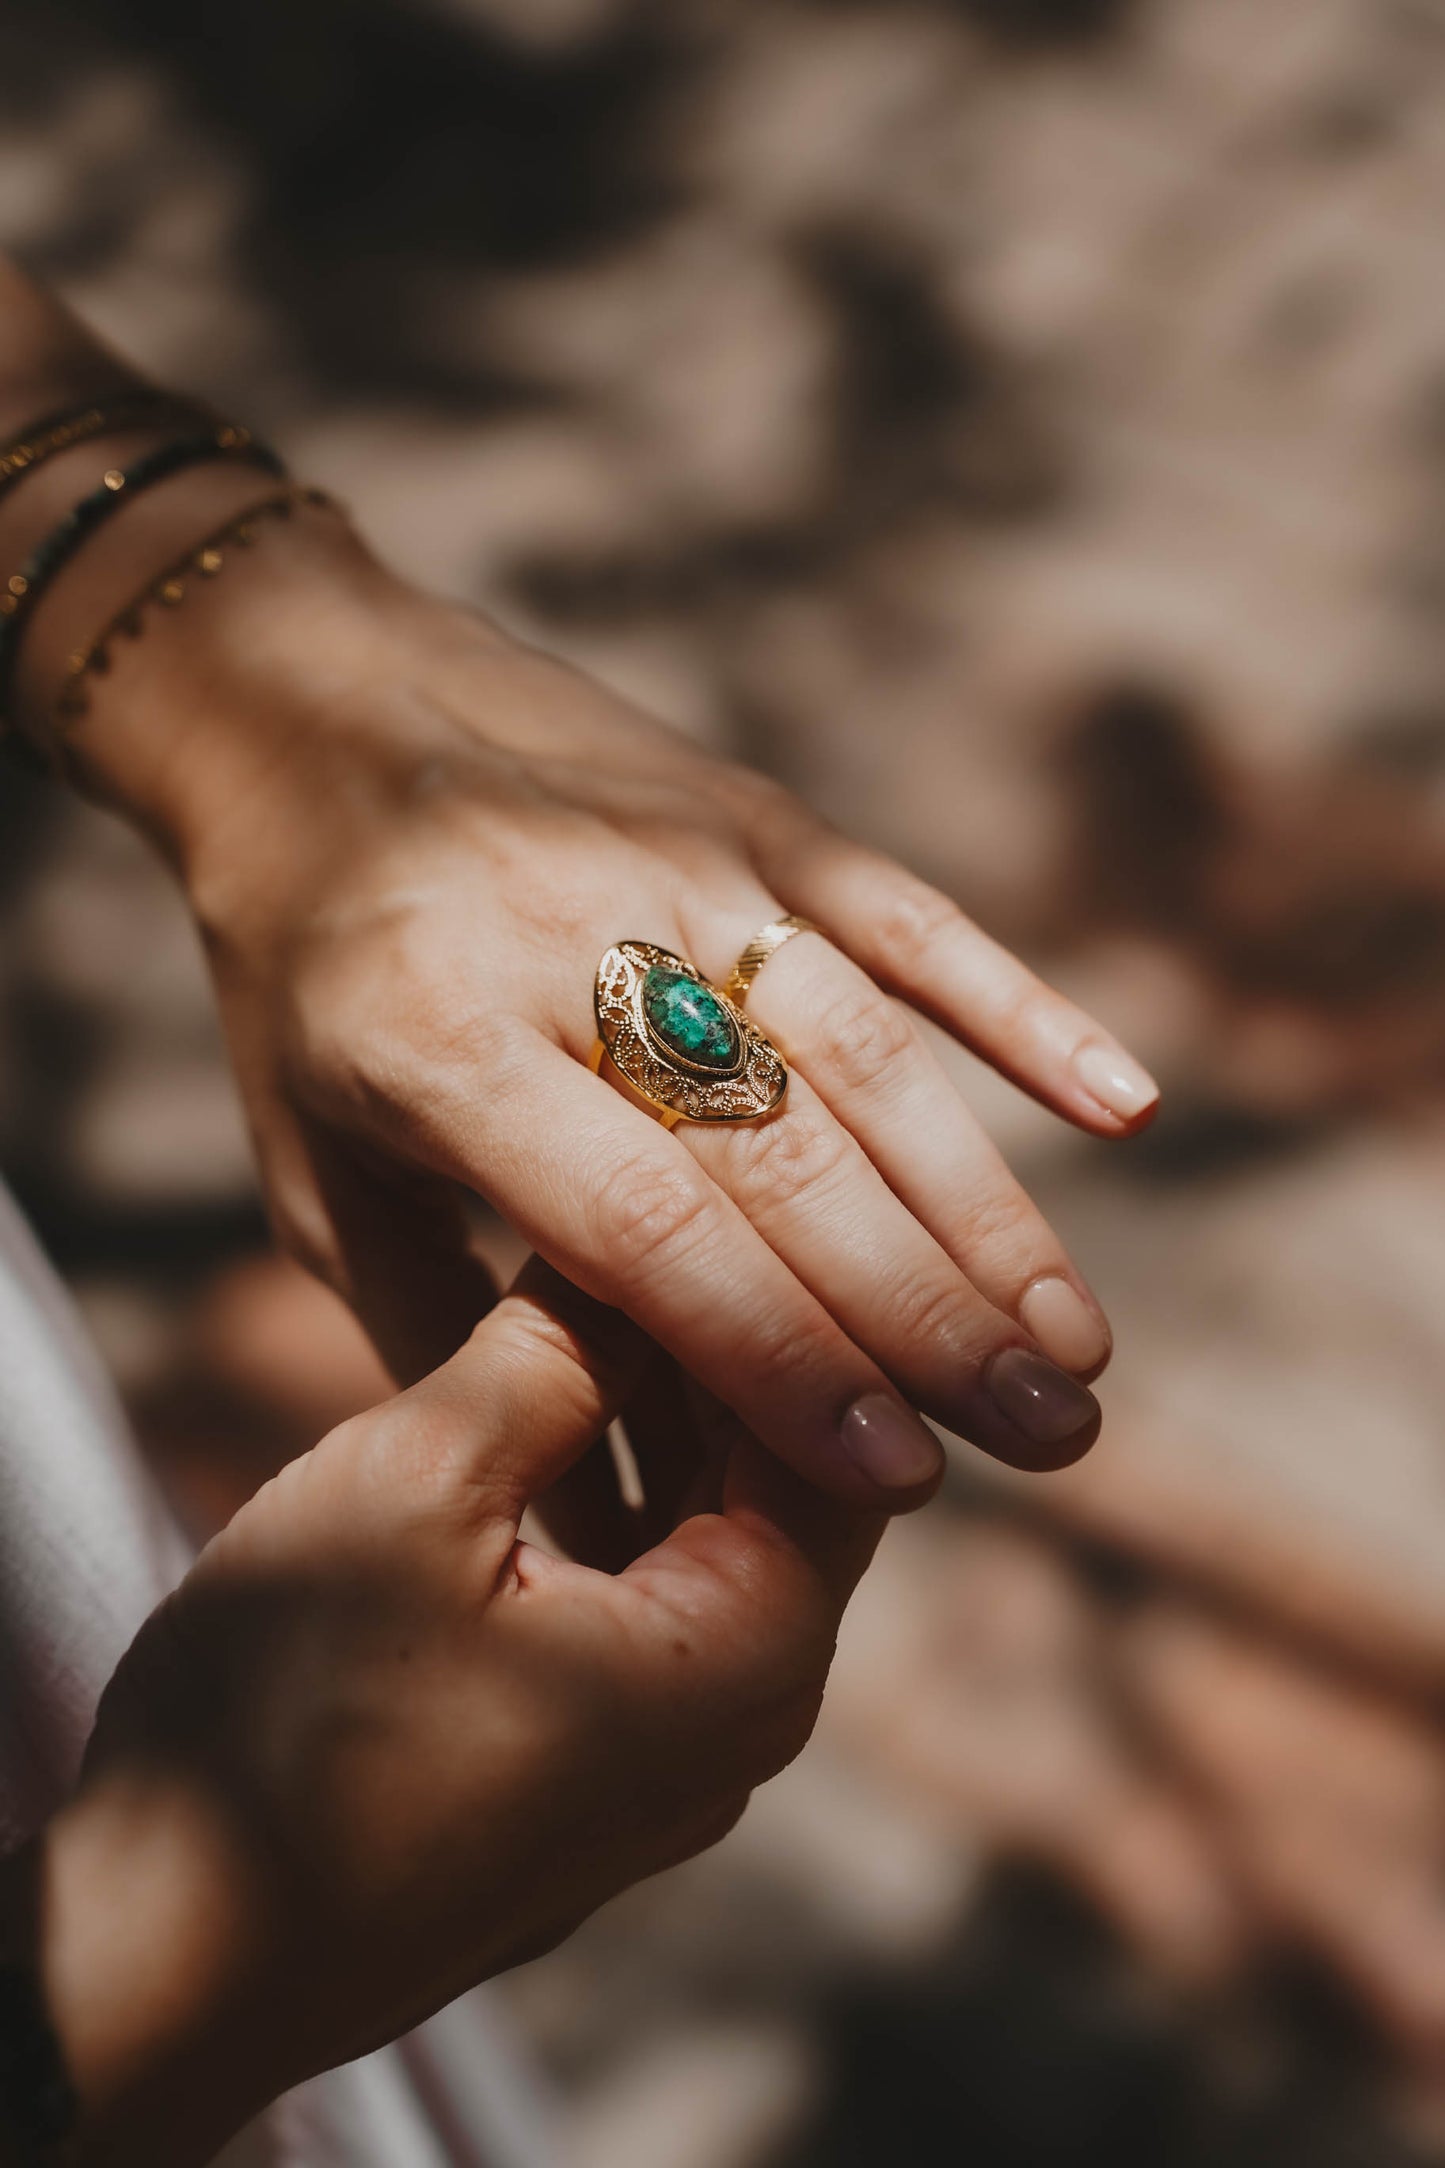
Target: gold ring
x: 680, y: 1043
x: 759, y: 949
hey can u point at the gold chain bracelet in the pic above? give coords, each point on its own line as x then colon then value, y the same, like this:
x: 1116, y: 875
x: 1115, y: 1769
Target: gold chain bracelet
x: 202, y: 560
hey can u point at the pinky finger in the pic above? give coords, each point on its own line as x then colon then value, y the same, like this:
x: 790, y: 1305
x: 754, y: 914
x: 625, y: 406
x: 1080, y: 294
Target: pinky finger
x: 918, y: 944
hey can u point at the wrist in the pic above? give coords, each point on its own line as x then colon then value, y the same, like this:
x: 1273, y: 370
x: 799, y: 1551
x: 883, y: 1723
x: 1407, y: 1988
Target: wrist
x: 187, y: 702
x: 261, y: 721
x: 147, y: 1964
x: 82, y: 536
x: 199, y: 720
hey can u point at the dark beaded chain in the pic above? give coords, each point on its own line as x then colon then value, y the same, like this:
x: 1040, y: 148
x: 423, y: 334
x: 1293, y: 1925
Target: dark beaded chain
x: 70, y: 426
x: 118, y: 486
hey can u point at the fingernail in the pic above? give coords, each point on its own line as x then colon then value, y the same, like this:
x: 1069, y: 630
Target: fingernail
x: 1116, y: 1080
x: 1067, y: 1327
x: 1037, y: 1398
x: 892, y: 1446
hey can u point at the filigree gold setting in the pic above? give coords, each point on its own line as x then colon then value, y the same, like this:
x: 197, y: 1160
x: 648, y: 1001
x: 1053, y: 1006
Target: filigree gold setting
x: 680, y: 1089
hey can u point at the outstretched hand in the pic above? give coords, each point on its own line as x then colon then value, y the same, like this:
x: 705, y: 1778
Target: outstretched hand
x: 409, y: 839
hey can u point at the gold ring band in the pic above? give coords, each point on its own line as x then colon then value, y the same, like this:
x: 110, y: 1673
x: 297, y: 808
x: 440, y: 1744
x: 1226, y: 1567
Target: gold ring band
x: 679, y: 1043
x: 668, y: 1116
x: 764, y: 944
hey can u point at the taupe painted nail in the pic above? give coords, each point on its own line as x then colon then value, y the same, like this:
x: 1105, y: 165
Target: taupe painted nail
x: 892, y: 1446
x: 1037, y: 1397
x: 1068, y: 1328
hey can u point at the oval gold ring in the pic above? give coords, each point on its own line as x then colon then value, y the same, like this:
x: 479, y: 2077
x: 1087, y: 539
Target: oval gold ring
x: 680, y: 1044
x: 764, y: 944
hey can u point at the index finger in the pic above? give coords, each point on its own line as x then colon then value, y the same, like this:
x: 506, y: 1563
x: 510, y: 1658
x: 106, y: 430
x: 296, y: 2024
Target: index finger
x: 625, y: 1212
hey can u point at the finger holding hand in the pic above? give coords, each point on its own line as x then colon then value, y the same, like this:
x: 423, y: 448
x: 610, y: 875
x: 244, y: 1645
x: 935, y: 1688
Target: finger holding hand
x: 733, y: 1620
x: 603, y: 1513
x: 524, y: 1402
x: 624, y: 1210
x: 728, y: 1625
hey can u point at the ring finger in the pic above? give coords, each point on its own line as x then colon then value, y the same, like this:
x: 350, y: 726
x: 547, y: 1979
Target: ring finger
x: 810, y: 1191
x: 867, y: 1061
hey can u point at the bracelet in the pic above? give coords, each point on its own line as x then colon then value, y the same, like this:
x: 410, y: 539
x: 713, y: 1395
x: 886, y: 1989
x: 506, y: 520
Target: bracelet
x: 76, y: 425
x: 37, y: 2099
x: 168, y: 587
x: 24, y: 588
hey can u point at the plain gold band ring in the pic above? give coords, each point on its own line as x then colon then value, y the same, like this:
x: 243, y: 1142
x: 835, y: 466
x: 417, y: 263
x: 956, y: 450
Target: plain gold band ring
x: 765, y: 943
x: 668, y: 1116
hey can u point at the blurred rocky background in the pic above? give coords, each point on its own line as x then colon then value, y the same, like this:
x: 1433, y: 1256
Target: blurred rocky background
x: 1020, y: 424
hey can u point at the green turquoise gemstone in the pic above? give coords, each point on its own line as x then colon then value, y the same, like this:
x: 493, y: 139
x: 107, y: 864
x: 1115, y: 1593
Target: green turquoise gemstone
x: 689, y: 1019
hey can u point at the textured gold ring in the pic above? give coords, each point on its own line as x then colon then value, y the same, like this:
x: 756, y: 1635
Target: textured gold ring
x: 680, y: 1043
x: 764, y: 944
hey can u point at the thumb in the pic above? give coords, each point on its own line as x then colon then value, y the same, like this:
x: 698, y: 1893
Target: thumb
x: 535, y: 1385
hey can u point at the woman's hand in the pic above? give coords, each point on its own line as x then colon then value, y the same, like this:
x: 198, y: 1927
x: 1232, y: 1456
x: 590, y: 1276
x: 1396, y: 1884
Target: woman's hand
x: 376, y: 1748
x: 409, y: 839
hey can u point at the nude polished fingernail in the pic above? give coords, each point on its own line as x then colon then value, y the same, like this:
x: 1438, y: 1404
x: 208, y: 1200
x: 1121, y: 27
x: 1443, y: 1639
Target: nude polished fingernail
x: 1116, y: 1080
x: 1037, y: 1397
x: 1065, y: 1324
x: 892, y: 1446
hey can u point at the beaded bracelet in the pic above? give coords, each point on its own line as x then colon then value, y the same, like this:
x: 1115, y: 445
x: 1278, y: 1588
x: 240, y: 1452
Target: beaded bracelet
x: 168, y: 587
x: 69, y: 426
x: 24, y: 588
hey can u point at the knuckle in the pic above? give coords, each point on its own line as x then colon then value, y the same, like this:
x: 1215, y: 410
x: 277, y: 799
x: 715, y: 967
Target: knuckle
x: 341, y: 1058
x: 1023, y: 1003
x: 777, y: 1164
x: 383, y: 1029
x: 795, y: 1350
x: 1002, y: 1222
x: 916, y: 921
x: 861, y: 1036
x: 934, y: 1312
x: 764, y: 808
x: 644, y: 1213
x: 547, y: 1352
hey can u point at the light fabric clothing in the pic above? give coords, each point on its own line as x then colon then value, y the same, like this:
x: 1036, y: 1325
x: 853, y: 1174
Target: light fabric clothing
x: 86, y: 1551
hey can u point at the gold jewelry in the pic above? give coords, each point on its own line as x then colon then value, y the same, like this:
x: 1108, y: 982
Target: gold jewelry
x: 764, y: 944
x: 678, y: 1042
x: 117, y: 486
x: 168, y: 587
x: 101, y: 417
